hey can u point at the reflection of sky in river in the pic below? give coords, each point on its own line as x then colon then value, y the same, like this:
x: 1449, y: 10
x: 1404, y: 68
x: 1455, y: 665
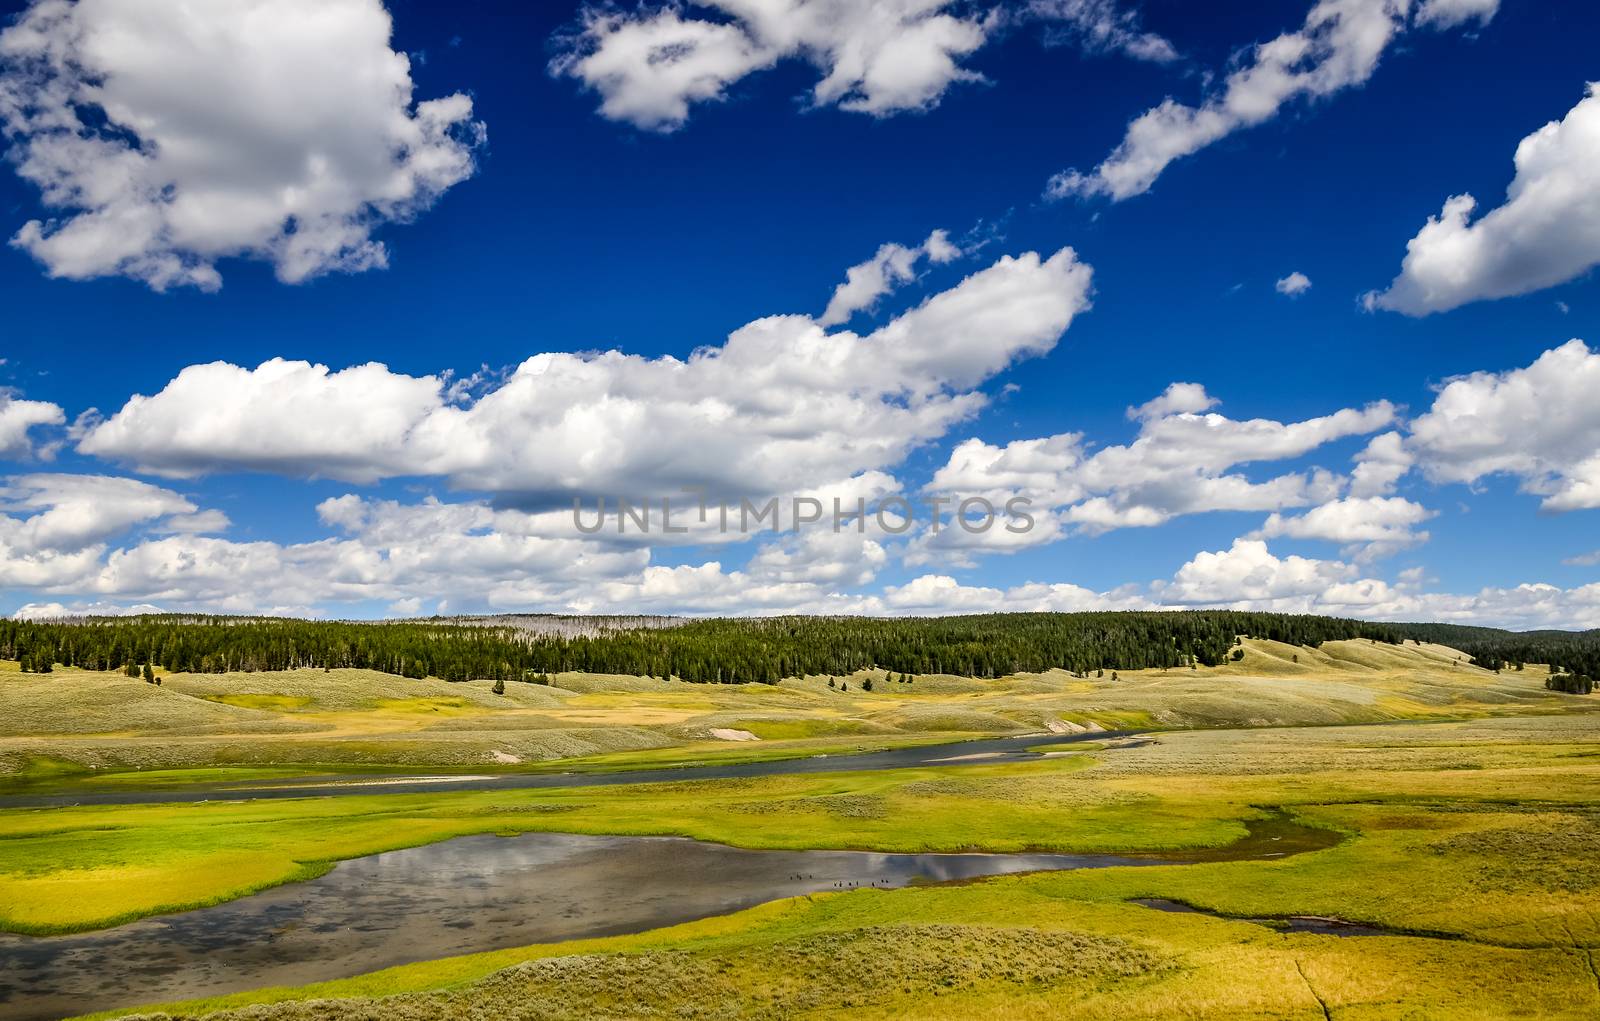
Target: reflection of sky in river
x: 460, y: 896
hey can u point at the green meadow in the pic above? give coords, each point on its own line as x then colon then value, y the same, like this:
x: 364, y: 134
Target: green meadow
x: 1467, y: 806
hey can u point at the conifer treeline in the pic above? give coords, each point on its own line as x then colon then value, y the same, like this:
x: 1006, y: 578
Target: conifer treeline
x: 718, y: 650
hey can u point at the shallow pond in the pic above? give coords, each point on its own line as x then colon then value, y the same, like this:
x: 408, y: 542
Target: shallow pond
x: 485, y: 893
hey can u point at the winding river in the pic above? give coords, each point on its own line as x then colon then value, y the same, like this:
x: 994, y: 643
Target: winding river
x: 994, y: 749
x: 481, y: 893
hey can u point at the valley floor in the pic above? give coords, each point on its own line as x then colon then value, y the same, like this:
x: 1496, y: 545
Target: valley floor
x: 1470, y: 855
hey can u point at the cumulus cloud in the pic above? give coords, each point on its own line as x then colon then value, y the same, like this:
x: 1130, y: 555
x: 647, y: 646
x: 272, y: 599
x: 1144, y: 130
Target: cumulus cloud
x: 18, y: 418
x: 61, y: 611
x: 380, y: 550
x: 1367, y: 527
x: 891, y: 266
x: 783, y: 405
x: 473, y: 556
x: 168, y: 135
x: 1535, y: 424
x: 1249, y: 573
x: 1248, y: 576
x: 1337, y: 48
x: 1293, y: 285
x: 650, y: 66
x: 54, y: 527
x: 1539, y: 424
x: 843, y: 559
x: 1546, y: 232
x: 1176, y: 399
x: 66, y: 512
x: 1181, y: 462
x: 355, y: 424
x: 942, y: 594
x: 1380, y: 466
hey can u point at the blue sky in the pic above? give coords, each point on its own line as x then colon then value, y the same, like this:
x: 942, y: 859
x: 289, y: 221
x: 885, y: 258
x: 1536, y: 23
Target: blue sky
x: 534, y: 219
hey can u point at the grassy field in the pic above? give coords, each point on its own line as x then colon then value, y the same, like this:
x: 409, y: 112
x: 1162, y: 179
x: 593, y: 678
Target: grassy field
x: 1472, y: 834
x: 1474, y: 841
x: 73, y: 726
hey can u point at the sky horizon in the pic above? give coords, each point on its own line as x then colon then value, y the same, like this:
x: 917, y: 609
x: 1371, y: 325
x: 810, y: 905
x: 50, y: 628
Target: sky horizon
x: 338, y: 308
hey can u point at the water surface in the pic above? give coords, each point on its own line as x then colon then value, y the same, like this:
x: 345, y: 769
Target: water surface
x: 981, y: 751
x: 481, y: 893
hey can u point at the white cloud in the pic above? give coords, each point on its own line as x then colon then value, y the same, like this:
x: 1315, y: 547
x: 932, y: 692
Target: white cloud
x: 169, y: 135
x: 942, y: 594
x: 1249, y: 574
x: 1537, y: 423
x: 54, y: 527
x: 1520, y: 607
x: 1100, y: 26
x: 1338, y: 47
x: 1176, y: 399
x: 708, y: 589
x: 782, y: 406
x: 1293, y: 285
x: 357, y: 424
x: 1583, y: 560
x: 1181, y: 462
x: 844, y: 559
x: 1249, y: 577
x: 470, y: 556
x: 960, y: 538
x: 1043, y: 466
x: 891, y: 266
x: 1451, y: 13
x: 1380, y: 466
x: 1540, y: 424
x: 58, y: 611
x: 1367, y: 527
x: 69, y: 512
x: 409, y: 607
x: 198, y: 523
x: 1545, y: 233
x: 387, y: 552
x: 651, y: 66
x: 17, y: 418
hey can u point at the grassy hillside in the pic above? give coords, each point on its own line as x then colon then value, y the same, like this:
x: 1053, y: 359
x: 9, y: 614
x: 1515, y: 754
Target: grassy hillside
x: 73, y: 721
